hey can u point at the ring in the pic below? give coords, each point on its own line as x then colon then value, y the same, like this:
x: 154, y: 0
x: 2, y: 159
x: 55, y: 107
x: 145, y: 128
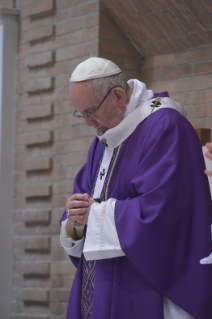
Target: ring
x: 67, y: 212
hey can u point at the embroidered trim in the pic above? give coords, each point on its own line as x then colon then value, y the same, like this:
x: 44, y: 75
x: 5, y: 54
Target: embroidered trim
x: 101, y: 226
x: 108, y: 183
x: 116, y: 243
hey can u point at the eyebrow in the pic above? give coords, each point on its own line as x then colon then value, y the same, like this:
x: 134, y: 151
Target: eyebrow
x: 88, y: 110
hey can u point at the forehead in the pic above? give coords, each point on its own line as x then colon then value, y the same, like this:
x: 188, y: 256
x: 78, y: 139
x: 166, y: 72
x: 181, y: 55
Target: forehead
x: 81, y: 95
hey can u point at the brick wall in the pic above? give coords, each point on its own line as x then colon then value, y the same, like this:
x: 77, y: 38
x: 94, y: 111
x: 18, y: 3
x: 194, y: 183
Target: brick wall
x: 51, y: 145
x: 187, y: 78
x: 7, y: 3
x: 116, y: 46
x: 50, y: 148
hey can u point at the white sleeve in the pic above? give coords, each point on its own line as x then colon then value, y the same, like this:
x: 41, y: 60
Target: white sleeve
x: 71, y: 246
x: 101, y: 238
x: 207, y: 260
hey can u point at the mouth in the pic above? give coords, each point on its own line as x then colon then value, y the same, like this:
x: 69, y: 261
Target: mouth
x: 99, y: 129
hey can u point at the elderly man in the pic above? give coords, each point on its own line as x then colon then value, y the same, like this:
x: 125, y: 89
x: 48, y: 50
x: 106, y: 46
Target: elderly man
x: 138, y: 223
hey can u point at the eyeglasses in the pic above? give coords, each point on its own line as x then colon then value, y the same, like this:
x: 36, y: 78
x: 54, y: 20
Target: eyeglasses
x: 82, y: 117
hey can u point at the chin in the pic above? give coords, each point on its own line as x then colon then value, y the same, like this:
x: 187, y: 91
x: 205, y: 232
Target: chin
x: 102, y: 129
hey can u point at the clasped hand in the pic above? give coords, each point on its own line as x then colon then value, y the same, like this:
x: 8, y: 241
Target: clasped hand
x: 208, y: 154
x: 78, y: 206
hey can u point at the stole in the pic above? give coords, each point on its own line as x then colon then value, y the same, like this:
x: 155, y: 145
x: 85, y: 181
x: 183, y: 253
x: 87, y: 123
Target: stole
x: 89, y: 267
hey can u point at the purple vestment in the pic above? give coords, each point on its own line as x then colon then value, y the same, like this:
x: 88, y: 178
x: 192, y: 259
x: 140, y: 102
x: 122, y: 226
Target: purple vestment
x: 163, y: 215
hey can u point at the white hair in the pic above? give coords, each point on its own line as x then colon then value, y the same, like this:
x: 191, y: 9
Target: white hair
x: 103, y: 85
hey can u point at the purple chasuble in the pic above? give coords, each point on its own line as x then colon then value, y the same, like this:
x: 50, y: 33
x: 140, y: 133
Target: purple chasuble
x: 162, y: 215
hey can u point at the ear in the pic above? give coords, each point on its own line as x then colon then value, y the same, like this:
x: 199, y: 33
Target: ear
x: 120, y: 97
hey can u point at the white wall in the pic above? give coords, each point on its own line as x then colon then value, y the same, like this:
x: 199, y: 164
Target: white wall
x: 8, y: 54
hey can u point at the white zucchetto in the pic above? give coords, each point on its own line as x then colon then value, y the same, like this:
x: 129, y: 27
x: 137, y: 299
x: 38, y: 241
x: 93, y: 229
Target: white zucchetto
x: 94, y: 68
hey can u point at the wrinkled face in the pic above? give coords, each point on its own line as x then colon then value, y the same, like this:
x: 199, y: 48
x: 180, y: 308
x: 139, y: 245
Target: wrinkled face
x: 110, y: 112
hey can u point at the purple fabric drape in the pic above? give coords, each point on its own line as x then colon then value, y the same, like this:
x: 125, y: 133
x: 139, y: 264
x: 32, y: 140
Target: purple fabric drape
x: 163, y: 215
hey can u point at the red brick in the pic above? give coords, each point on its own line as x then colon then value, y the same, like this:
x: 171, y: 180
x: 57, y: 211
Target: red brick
x: 197, y: 111
x: 56, y: 148
x: 62, y: 80
x: 159, y: 61
x: 193, y: 56
x: 38, y: 8
x: 176, y: 72
x: 35, y: 243
x: 38, y: 138
x: 92, y: 20
x: 40, y: 59
x: 72, y: 171
x: 70, y: 26
x: 6, y: 3
x: 67, y: 134
x: 36, y: 269
x: 162, y: 86
x: 202, y: 97
x: 91, y: 47
x: 70, y: 159
x: 87, y: 131
x: 36, y: 216
x: 183, y: 98
x: 201, y: 123
x: 39, y: 190
x: 29, y: 316
x: 55, y: 96
x: 69, y: 282
x: 85, y: 9
x: 37, y: 112
x: 65, y: 187
x: 84, y: 35
x: 69, y: 53
x: 151, y: 76
x: 39, y: 85
x: 26, y: 100
x: 202, y: 68
x: 117, y: 48
x: 57, y: 308
x: 55, y: 241
x: 81, y: 144
x: 132, y: 63
x: 36, y: 164
x: 64, y: 269
x: 132, y: 74
x: 192, y: 84
x: 63, y: 108
x: 39, y: 295
x: 40, y: 33
x: 60, y: 295
x: 62, y: 4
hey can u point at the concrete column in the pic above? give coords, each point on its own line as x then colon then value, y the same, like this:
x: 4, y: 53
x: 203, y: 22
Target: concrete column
x: 8, y: 54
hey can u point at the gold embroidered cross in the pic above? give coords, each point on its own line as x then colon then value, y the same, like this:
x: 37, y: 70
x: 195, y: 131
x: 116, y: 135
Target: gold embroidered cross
x: 156, y: 102
x: 104, y: 142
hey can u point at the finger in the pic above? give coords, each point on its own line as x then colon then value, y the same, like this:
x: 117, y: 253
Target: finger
x: 78, y: 211
x: 83, y: 197
x: 77, y: 204
x: 207, y: 172
x: 209, y: 146
x: 208, y: 155
x: 75, y: 219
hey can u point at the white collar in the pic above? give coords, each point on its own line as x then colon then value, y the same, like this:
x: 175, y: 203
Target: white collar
x: 137, y: 110
x: 139, y: 95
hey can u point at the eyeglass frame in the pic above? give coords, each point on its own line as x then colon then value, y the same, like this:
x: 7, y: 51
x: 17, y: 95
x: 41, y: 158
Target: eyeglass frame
x: 82, y: 117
